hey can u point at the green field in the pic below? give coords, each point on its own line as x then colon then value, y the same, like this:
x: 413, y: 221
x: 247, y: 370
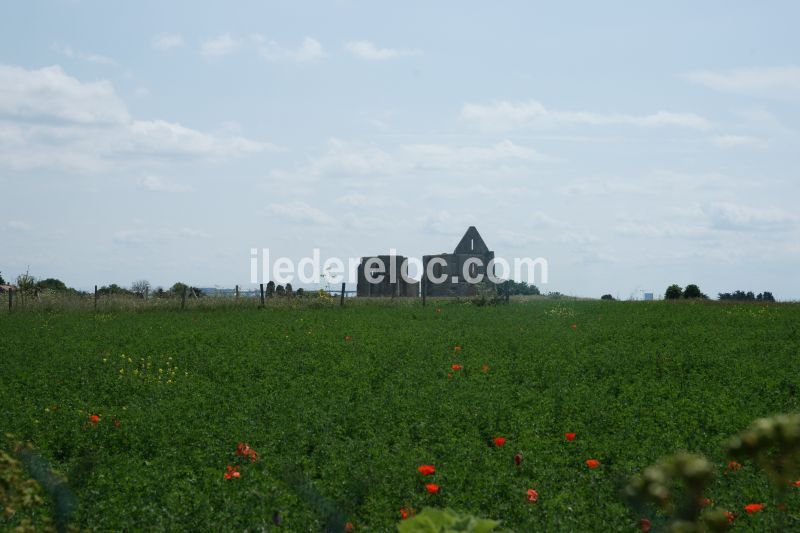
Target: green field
x: 343, y: 404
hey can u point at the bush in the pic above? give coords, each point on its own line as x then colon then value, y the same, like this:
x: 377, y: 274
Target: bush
x: 693, y: 291
x: 606, y: 297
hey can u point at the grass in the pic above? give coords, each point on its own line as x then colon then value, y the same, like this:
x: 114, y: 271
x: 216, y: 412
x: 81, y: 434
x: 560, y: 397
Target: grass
x: 343, y: 405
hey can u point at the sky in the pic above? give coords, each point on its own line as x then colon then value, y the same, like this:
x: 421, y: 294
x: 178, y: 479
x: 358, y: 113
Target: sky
x: 631, y: 145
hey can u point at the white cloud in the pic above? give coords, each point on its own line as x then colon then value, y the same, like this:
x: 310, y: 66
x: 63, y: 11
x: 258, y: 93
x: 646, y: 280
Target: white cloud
x: 354, y: 160
x: 728, y: 216
x: 750, y: 80
x: 309, y: 50
x: 167, y: 41
x: 367, y: 50
x: 509, y: 115
x: 145, y: 236
x: 301, y: 212
x: 18, y: 225
x: 219, y: 46
x: 91, y: 58
x: 158, y: 184
x: 735, y: 141
x: 52, y: 120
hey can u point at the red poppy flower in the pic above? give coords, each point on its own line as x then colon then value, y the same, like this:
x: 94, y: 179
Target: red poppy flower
x: 518, y: 459
x: 797, y: 483
x: 644, y: 525
x: 592, y: 463
x: 231, y: 472
x: 94, y: 419
x: 753, y: 507
x: 403, y: 513
x: 570, y: 436
x: 499, y: 441
x: 244, y: 450
x: 348, y: 527
x: 730, y: 516
x: 432, y: 488
x: 427, y: 470
x: 533, y: 496
x: 456, y: 367
x: 734, y: 466
x: 705, y: 502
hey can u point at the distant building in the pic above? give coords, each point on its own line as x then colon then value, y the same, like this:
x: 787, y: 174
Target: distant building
x: 389, y: 285
x: 648, y: 296
x: 6, y: 288
x: 451, y: 267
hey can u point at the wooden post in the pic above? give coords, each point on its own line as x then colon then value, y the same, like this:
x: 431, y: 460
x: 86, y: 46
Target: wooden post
x: 183, y: 298
x: 341, y: 298
x: 10, y: 299
x: 237, y: 292
x: 95, y: 298
x: 262, y: 294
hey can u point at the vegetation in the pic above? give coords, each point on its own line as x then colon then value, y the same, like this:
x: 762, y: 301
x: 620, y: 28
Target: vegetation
x: 308, y: 415
x: 748, y: 296
x: 606, y: 297
x: 520, y: 288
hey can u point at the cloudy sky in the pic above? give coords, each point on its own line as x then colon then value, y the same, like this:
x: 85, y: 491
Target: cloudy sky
x: 632, y: 146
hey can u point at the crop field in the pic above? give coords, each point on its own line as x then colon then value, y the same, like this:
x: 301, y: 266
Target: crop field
x: 142, y: 411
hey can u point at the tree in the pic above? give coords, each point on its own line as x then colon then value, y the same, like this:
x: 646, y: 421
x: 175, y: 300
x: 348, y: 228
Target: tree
x: 606, y: 297
x: 2, y: 281
x: 51, y: 284
x: 518, y: 288
x: 674, y: 292
x: 113, y: 289
x: 693, y: 291
x: 26, y: 282
x: 140, y: 288
x: 766, y: 297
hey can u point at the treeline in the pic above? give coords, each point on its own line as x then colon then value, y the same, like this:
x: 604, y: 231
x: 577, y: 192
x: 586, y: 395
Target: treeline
x: 748, y: 296
x: 675, y: 292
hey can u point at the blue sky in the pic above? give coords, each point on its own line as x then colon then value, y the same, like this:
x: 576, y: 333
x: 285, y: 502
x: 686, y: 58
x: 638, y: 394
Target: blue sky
x: 632, y: 146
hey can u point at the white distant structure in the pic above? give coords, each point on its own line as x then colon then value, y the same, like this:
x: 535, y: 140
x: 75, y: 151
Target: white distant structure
x: 648, y: 296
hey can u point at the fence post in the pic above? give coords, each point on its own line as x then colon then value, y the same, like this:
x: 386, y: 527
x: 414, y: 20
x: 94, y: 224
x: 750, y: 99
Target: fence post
x: 341, y: 298
x: 10, y: 299
x: 262, y: 294
x: 237, y: 292
x: 183, y: 298
x: 95, y: 298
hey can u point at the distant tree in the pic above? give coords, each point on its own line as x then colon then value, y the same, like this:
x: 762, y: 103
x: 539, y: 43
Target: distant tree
x: 140, y: 288
x: 693, y: 291
x: 2, y: 281
x: 606, y: 297
x: 674, y: 292
x: 519, y: 288
x: 158, y: 292
x: 178, y: 288
x: 51, y: 284
x: 270, y: 288
x: 300, y: 292
x: 113, y: 289
x: 749, y: 296
x: 26, y: 283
